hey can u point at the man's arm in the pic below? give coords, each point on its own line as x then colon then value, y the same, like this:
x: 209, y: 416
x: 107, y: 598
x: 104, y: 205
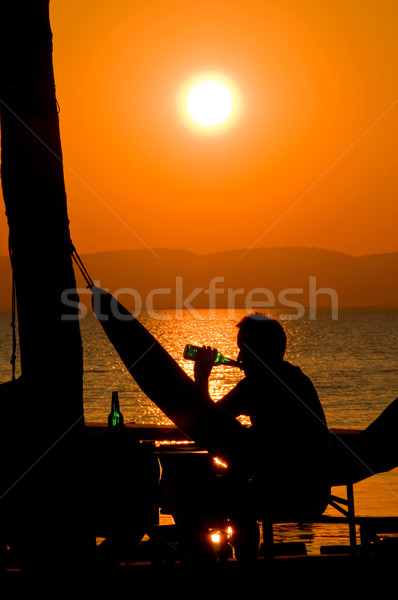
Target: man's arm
x: 235, y: 401
x: 202, y: 368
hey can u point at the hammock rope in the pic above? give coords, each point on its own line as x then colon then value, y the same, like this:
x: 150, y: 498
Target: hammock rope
x: 13, y: 325
x: 82, y: 268
x: 13, y: 318
x: 86, y: 276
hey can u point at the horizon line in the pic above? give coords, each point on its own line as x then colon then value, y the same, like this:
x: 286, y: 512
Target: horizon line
x: 294, y: 247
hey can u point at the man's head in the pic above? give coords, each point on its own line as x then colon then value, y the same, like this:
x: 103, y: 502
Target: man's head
x: 261, y: 340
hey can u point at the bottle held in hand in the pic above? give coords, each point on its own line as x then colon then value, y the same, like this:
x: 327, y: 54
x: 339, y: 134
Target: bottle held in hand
x: 191, y: 353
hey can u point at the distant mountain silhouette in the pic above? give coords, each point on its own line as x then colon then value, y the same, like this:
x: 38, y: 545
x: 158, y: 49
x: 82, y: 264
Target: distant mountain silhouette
x: 279, y: 275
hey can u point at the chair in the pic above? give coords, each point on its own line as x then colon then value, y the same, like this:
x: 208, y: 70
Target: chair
x: 346, y: 508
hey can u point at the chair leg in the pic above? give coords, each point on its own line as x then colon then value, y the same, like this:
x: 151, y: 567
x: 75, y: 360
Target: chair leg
x: 349, y: 512
x: 351, y: 516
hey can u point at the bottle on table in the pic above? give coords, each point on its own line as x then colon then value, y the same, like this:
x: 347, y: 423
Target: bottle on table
x: 115, y: 417
x: 191, y: 353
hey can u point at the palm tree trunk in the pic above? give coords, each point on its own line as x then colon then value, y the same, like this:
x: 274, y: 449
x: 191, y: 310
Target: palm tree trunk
x: 47, y: 415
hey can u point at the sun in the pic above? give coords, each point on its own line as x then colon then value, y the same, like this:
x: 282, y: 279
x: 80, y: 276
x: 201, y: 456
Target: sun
x: 209, y: 103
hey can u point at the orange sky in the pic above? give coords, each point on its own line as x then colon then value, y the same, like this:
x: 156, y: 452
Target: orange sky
x: 312, y: 160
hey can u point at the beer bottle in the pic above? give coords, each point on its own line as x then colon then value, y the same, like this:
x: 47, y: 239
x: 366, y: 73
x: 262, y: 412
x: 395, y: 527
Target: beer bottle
x: 191, y: 353
x: 115, y: 417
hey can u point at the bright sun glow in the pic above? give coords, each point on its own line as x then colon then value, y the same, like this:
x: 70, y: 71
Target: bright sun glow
x: 209, y: 103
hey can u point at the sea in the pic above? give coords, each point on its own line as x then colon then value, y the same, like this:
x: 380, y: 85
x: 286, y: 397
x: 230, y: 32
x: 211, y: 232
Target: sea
x: 351, y: 357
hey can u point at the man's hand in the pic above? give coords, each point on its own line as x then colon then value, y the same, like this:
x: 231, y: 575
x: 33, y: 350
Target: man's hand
x: 203, y: 365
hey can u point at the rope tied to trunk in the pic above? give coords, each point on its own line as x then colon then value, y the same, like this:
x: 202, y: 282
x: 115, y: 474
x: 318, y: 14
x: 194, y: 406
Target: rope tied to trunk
x: 13, y: 318
x: 82, y: 268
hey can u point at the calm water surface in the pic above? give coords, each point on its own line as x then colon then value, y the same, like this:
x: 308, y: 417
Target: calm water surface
x: 353, y: 362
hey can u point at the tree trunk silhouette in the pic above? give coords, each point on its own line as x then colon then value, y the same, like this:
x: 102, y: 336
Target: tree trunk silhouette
x: 43, y: 421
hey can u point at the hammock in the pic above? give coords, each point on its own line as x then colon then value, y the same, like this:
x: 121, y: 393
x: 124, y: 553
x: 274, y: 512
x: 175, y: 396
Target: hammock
x: 166, y: 384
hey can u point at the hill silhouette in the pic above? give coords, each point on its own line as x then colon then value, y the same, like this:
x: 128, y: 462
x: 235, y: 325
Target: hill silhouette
x: 275, y: 276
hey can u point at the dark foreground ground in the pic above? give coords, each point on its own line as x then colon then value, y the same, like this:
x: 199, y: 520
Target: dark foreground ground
x: 339, y: 576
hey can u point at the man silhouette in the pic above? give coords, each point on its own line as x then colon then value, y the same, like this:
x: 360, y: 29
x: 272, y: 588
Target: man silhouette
x: 290, y: 434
